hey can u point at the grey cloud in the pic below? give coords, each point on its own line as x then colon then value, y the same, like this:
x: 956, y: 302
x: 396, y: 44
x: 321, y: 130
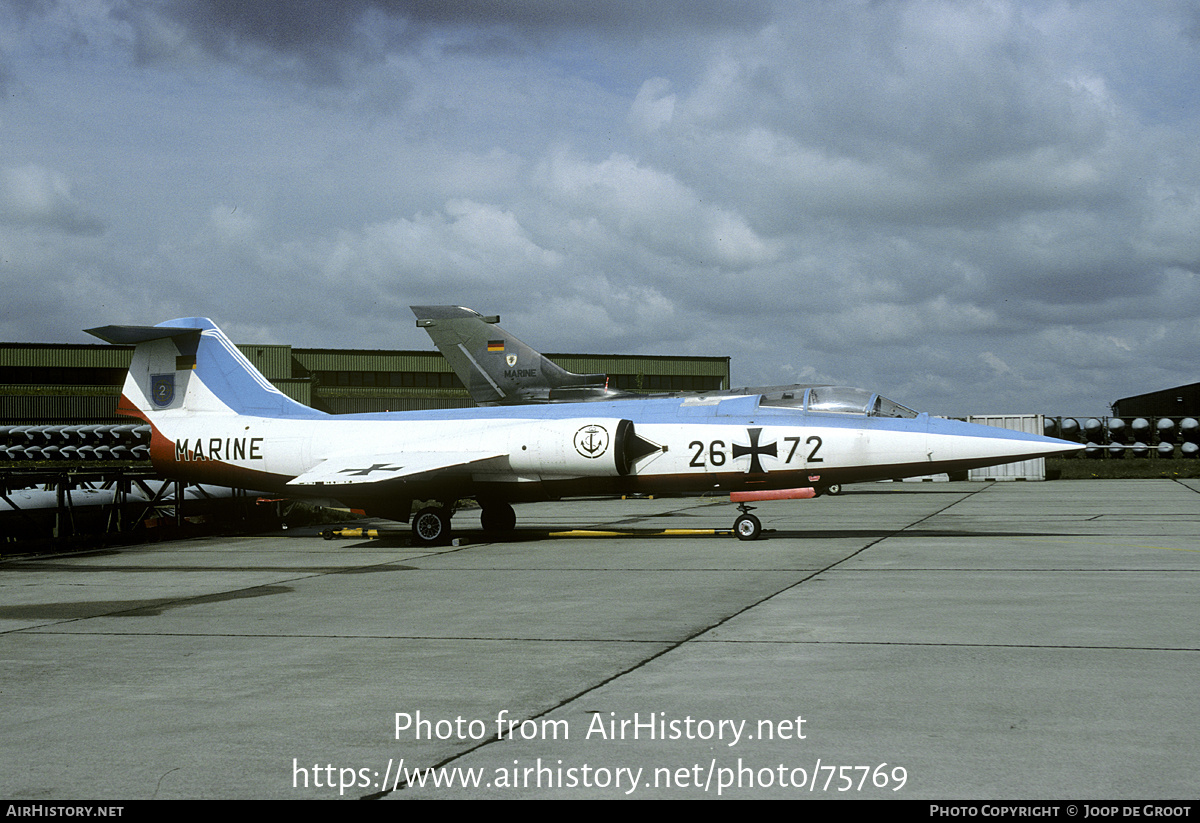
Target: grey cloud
x: 955, y: 202
x: 37, y: 197
x: 326, y: 38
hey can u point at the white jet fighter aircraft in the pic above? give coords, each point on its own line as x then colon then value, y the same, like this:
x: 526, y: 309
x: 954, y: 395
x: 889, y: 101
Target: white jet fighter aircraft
x: 215, y: 419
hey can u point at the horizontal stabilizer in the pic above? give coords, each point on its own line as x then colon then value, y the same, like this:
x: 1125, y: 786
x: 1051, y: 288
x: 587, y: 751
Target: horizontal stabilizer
x: 130, y: 335
x: 357, y: 469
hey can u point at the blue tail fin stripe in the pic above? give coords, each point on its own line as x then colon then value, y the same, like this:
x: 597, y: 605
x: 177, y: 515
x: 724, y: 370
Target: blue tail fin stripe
x: 241, y: 359
x: 234, y: 380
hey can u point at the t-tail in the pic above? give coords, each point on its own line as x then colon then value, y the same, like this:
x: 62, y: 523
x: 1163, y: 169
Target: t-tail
x: 188, y: 367
x: 497, y: 368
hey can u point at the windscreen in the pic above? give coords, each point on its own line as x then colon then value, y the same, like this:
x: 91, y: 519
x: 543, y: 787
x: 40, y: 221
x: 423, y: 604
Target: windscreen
x: 847, y: 400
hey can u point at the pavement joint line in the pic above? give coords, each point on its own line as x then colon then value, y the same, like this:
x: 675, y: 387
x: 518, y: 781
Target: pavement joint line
x: 636, y: 641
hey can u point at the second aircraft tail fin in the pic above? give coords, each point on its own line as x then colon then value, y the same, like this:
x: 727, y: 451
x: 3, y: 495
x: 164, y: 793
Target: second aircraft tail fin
x: 496, y: 367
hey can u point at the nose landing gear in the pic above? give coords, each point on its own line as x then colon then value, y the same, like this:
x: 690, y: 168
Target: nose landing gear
x: 747, y: 526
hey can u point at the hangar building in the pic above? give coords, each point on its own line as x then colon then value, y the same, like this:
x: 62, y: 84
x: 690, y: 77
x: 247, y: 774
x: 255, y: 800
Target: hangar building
x: 45, y: 383
x: 1181, y: 401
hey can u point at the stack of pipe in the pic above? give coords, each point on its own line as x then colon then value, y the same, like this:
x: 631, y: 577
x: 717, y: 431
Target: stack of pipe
x: 127, y: 441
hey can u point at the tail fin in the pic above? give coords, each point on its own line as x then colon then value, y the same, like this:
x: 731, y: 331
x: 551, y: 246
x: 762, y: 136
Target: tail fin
x: 189, y: 365
x: 496, y: 367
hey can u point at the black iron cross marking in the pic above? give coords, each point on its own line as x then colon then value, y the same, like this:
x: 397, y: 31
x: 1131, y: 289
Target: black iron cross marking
x: 373, y: 467
x: 754, y: 450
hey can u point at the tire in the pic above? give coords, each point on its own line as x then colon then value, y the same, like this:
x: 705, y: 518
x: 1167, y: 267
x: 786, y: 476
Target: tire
x: 498, y: 517
x: 431, y: 527
x: 747, y: 527
x: 835, y: 489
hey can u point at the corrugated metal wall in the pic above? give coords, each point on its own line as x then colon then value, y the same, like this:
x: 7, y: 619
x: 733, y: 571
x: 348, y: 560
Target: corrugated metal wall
x: 65, y: 355
x: 1026, y: 469
x: 274, y: 361
x: 59, y: 408
x: 644, y: 364
x: 314, y: 360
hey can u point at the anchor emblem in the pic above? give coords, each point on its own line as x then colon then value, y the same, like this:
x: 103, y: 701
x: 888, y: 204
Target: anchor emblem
x: 591, y: 441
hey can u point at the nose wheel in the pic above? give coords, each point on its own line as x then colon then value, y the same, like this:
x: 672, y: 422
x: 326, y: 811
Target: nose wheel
x: 747, y: 526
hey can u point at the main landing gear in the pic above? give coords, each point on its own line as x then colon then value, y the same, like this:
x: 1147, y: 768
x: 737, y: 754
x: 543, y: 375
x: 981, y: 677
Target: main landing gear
x: 431, y: 525
x: 747, y: 526
x: 497, y: 517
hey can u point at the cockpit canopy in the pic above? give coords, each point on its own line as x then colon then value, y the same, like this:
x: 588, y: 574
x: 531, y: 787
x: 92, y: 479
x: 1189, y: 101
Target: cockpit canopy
x: 842, y: 400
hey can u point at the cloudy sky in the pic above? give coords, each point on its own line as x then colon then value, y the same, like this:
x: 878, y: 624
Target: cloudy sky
x: 984, y: 206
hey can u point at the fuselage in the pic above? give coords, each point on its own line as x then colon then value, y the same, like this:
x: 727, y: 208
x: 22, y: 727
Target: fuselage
x: 560, y: 450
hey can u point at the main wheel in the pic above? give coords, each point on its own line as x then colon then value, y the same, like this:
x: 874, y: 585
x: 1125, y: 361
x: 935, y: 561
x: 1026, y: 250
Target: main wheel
x: 747, y: 527
x: 431, y: 526
x: 498, y: 517
x: 834, y: 489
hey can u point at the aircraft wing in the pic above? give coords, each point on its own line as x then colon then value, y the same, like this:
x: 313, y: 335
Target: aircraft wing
x: 358, y: 469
